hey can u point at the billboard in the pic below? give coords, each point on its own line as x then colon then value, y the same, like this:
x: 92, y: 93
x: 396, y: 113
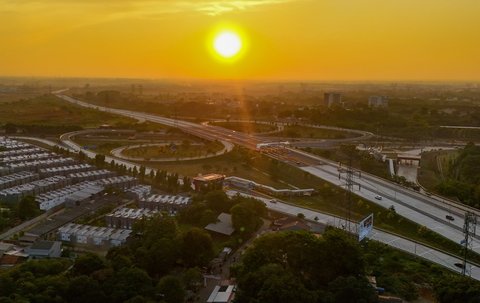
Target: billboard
x: 365, y: 227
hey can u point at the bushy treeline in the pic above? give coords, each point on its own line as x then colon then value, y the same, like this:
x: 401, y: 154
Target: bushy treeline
x: 12, y: 214
x: 463, y: 179
x: 11, y: 128
x: 205, y: 208
x: 159, y: 265
x: 293, y: 267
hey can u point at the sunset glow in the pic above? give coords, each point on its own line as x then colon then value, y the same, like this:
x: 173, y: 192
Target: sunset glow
x: 227, y: 44
x: 287, y: 39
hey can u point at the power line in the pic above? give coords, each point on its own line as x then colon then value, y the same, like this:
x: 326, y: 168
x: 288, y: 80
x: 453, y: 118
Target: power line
x: 350, y: 175
x: 469, y: 230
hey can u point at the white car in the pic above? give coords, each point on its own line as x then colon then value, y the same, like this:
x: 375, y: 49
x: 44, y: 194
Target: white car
x: 378, y: 197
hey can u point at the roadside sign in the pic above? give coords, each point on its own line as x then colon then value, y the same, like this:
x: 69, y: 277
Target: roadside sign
x: 365, y: 227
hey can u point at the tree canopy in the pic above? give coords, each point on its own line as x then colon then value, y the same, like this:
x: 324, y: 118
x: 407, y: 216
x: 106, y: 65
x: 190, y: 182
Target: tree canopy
x: 299, y: 267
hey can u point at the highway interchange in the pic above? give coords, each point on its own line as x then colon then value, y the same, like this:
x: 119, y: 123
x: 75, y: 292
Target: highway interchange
x: 422, y: 209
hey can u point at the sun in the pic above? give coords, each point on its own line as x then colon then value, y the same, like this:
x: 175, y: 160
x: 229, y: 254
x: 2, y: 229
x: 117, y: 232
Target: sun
x: 227, y: 44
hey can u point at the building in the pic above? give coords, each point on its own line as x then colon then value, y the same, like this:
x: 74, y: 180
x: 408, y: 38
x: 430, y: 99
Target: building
x: 7, y: 261
x: 139, y: 192
x: 73, y: 194
x: 64, y: 170
x: 22, y: 151
x: 208, y: 182
x: 33, y: 188
x: 127, y: 217
x: 222, y: 294
x: 11, y: 144
x: 167, y: 203
x: 408, y: 159
x: 17, y: 179
x: 93, y: 235
x: 36, y: 164
x: 83, y: 195
x: 332, y: 99
x: 378, y: 102
x: 245, y: 184
x: 45, y: 249
x: 223, y: 225
x: 28, y: 239
x: 5, y: 247
x: 90, y: 175
x: 290, y: 224
x: 120, y: 182
x: 27, y: 157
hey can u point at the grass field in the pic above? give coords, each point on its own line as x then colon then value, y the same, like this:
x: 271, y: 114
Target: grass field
x: 360, y: 160
x: 50, y: 111
x: 246, y: 127
x: 180, y: 150
x: 102, y: 147
x: 296, y: 131
x: 224, y: 164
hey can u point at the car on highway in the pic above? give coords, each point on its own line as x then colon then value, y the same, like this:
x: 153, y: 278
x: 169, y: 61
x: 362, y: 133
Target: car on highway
x: 273, y: 201
x: 449, y: 217
x: 459, y: 265
x: 378, y: 197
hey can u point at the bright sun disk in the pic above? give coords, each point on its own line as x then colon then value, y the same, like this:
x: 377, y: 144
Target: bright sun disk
x: 227, y: 44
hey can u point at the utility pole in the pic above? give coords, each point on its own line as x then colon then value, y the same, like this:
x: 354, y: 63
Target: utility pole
x: 469, y: 230
x: 350, y: 174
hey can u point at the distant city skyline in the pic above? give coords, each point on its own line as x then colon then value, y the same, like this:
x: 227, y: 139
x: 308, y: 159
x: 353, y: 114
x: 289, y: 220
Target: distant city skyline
x: 285, y: 40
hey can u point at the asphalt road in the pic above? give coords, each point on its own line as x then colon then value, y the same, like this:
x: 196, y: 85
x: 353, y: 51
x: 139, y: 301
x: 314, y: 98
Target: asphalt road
x: 441, y: 258
x: 422, y: 209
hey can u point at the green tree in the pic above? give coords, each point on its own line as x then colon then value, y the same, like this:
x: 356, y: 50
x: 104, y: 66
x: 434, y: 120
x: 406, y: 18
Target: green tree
x: 457, y: 289
x: 273, y: 283
x: 85, y: 289
x: 192, y: 278
x: 28, y: 208
x: 218, y: 201
x: 299, y: 267
x: 171, y: 290
x: 87, y: 264
x: 161, y: 256
x: 194, y: 214
x: 244, y: 219
x: 351, y: 290
x: 196, y: 247
x: 187, y: 184
x: 10, y: 128
x: 99, y: 160
x: 128, y: 283
x: 142, y: 172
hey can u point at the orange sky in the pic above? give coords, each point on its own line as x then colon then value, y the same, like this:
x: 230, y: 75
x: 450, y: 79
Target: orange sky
x: 287, y: 39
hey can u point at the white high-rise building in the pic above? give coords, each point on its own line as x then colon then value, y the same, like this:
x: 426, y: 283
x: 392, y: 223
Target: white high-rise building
x: 378, y: 101
x: 331, y: 99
